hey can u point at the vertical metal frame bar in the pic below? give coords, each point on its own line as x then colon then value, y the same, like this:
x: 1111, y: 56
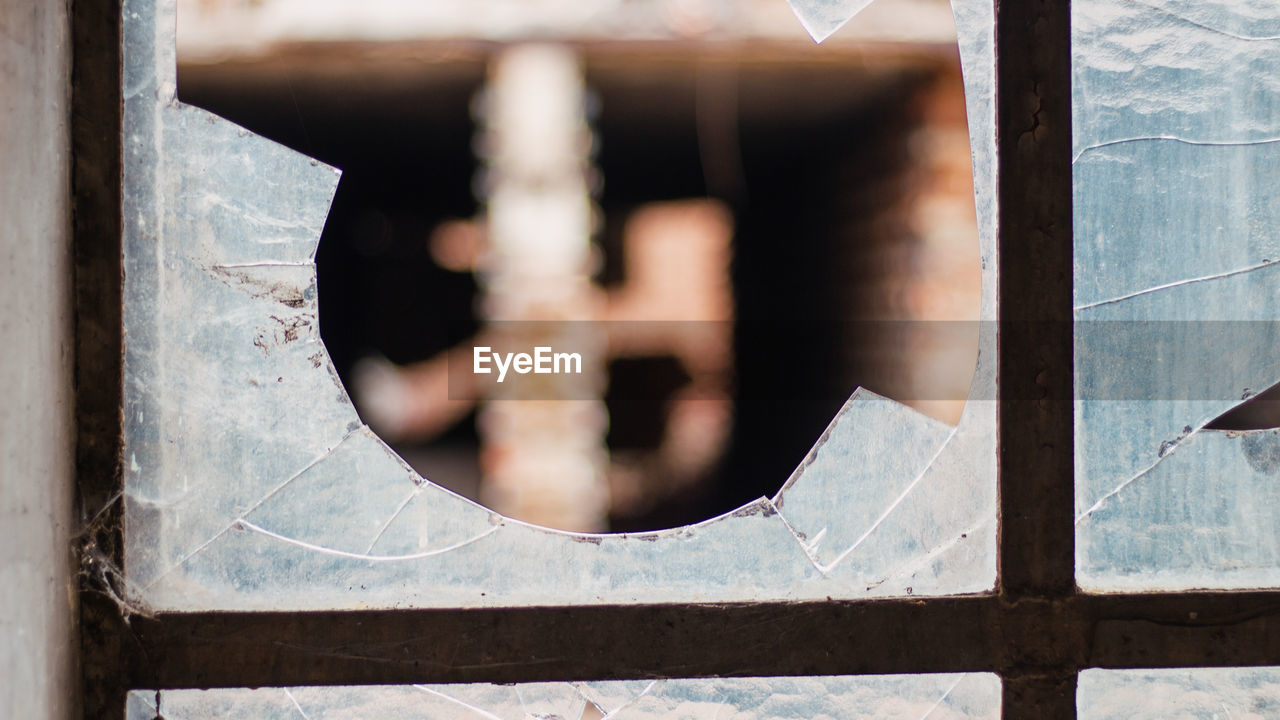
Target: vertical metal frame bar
x: 96, y: 109
x: 1036, y: 441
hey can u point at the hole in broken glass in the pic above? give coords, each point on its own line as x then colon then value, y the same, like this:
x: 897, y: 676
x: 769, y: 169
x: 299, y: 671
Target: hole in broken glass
x: 748, y: 231
x: 1258, y: 412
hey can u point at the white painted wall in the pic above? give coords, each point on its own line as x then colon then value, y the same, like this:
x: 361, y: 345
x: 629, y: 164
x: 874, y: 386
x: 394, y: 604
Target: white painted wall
x: 37, y: 602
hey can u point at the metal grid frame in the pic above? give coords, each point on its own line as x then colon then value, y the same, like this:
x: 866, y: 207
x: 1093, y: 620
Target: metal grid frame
x: 1037, y: 631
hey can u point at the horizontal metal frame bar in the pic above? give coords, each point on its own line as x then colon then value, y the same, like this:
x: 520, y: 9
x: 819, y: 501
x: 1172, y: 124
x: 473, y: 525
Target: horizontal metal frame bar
x: 1027, y: 638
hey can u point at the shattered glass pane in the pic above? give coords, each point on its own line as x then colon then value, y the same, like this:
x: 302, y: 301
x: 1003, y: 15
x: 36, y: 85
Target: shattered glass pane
x: 973, y: 696
x: 250, y: 482
x: 1176, y: 114
x: 1228, y: 693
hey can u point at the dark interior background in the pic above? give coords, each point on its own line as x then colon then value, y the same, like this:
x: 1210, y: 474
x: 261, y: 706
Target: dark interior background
x: 811, y: 157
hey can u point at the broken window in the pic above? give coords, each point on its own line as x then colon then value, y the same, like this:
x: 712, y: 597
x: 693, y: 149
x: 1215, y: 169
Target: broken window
x: 1176, y: 274
x: 251, y: 483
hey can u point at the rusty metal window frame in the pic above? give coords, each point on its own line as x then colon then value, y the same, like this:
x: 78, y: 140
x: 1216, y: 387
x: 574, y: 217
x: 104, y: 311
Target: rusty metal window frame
x: 1037, y: 631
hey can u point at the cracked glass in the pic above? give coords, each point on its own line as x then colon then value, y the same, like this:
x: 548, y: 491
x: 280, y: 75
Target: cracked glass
x: 970, y: 696
x: 1176, y: 113
x: 250, y: 482
x: 1229, y: 693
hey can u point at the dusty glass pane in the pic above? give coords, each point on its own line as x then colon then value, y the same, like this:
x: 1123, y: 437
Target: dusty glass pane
x: 971, y: 696
x: 250, y: 482
x: 1176, y: 120
x: 1227, y: 693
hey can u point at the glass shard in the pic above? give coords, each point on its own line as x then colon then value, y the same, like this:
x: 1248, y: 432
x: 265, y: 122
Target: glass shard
x: 856, y: 502
x: 821, y: 18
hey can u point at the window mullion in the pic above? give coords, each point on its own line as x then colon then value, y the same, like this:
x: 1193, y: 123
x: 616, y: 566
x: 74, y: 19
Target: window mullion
x: 1036, y: 547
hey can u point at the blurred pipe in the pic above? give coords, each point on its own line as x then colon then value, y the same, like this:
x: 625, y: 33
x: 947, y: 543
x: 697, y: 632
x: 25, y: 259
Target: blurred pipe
x: 543, y: 461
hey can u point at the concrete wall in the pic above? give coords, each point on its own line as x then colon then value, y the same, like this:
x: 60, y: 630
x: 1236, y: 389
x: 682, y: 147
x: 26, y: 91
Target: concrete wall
x: 37, y: 602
